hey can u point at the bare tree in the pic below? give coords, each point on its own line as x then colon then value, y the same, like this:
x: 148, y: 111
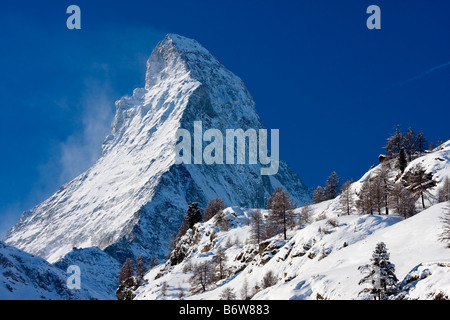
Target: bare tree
x: 257, y: 226
x: 127, y: 270
x: 215, y: 206
x: 268, y: 280
x: 419, y: 183
x: 305, y: 214
x: 140, y: 267
x: 445, y: 235
x: 219, y: 261
x: 319, y: 195
x: 202, y: 277
x: 402, y: 201
x: 346, y: 200
x: 444, y: 190
x: 365, y: 202
x: 281, y: 206
x: 227, y: 294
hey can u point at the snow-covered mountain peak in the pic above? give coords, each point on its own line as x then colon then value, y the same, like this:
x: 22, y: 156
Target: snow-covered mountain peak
x: 135, y: 196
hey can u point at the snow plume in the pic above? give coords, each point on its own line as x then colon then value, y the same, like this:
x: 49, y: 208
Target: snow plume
x: 82, y: 148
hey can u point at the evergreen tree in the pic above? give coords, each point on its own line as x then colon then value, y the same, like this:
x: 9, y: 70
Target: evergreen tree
x: 332, y: 186
x: 282, y: 208
x: 380, y: 274
x: 402, y: 162
x: 193, y: 215
x: 319, y: 195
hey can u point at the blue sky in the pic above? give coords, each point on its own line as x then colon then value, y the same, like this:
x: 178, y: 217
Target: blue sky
x: 334, y: 88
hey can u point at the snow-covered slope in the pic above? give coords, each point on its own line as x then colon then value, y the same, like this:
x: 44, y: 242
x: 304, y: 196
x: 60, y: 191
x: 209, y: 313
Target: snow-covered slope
x: 27, y: 277
x: 320, y: 259
x: 133, y: 198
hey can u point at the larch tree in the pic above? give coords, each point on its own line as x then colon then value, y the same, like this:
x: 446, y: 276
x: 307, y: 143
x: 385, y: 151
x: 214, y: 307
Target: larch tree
x: 202, y: 277
x: 281, y: 208
x: 444, y: 190
x: 140, y: 267
x: 216, y: 205
x: 365, y: 202
x: 419, y: 183
x: 402, y: 201
x: 219, y: 261
x: 257, y: 226
x: 126, y: 271
x: 346, y: 201
x: 319, y: 195
x: 445, y: 234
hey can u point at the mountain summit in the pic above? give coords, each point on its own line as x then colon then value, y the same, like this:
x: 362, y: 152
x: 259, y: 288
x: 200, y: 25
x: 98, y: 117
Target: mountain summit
x: 135, y: 195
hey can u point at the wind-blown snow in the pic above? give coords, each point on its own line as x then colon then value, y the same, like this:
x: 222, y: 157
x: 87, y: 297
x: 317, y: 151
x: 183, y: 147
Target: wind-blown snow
x: 133, y: 198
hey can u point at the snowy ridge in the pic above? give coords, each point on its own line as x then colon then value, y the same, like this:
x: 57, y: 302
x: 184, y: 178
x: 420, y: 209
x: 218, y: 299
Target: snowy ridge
x: 319, y: 260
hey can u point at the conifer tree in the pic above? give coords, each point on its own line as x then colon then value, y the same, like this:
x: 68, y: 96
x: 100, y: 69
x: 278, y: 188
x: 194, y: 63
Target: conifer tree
x: 332, y: 186
x: 282, y: 208
x: 402, y: 162
x: 193, y: 215
x: 379, y: 274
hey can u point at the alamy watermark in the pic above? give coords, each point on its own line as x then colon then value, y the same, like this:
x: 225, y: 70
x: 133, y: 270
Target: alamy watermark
x: 213, y: 153
x: 74, y: 280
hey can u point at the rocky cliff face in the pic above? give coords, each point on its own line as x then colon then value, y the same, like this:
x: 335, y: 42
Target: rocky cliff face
x: 134, y: 197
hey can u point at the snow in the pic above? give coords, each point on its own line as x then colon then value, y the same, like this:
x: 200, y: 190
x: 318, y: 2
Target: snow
x: 135, y: 194
x: 322, y: 259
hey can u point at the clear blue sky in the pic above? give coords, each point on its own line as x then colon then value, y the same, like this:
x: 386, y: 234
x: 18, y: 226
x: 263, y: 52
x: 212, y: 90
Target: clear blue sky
x: 334, y: 88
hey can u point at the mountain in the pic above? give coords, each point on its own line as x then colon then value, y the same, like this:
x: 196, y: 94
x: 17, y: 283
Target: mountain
x: 27, y: 277
x: 135, y: 195
x: 321, y: 258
